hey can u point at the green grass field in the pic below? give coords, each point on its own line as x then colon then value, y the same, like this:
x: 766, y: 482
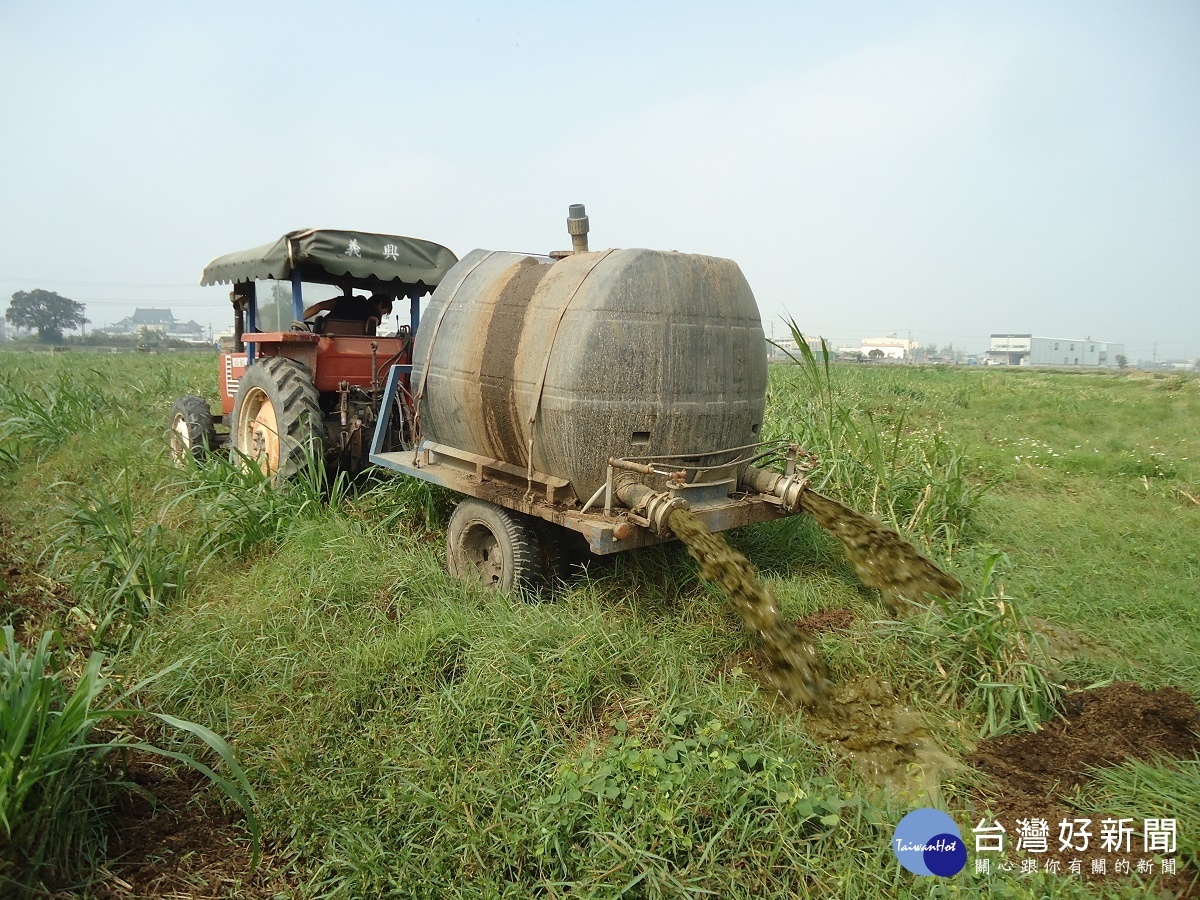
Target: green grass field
x: 410, y: 735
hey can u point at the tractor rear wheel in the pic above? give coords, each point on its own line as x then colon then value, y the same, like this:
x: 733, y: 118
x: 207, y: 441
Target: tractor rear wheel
x: 495, y: 546
x: 277, y: 419
x: 192, y: 433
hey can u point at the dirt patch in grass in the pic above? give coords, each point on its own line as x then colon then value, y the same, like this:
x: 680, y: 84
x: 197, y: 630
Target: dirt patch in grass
x: 749, y: 661
x: 638, y: 715
x: 182, y: 844
x: 29, y: 600
x: 1033, y: 776
x: 839, y: 619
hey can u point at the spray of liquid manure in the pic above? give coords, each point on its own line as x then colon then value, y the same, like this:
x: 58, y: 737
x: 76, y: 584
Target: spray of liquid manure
x: 882, y: 558
x: 793, y: 665
x: 863, y: 717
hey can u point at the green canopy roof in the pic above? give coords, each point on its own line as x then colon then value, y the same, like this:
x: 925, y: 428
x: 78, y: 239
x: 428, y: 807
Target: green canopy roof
x: 357, y: 259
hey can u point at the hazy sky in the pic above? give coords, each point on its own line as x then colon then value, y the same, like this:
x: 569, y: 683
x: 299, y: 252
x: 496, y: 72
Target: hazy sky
x: 954, y: 169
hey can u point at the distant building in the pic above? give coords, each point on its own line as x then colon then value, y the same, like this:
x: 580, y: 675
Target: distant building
x: 890, y: 347
x: 160, y: 320
x: 787, y: 348
x: 1028, y: 350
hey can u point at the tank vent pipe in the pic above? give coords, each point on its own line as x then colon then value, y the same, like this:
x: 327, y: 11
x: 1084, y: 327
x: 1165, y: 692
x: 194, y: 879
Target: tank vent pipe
x: 577, y: 228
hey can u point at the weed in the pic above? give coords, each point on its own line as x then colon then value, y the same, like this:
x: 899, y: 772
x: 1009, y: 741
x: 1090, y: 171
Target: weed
x: 238, y: 507
x: 915, y: 479
x: 394, y: 501
x: 47, y: 414
x: 647, y: 791
x: 8, y: 461
x: 123, y: 570
x: 53, y: 782
x: 986, y: 654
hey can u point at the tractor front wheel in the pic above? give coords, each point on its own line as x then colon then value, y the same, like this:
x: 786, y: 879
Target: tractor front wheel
x: 495, y: 546
x: 192, y: 433
x: 277, y: 421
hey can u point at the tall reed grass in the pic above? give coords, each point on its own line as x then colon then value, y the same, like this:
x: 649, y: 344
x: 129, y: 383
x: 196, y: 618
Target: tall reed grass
x: 238, y: 507
x: 123, y: 567
x: 914, y: 478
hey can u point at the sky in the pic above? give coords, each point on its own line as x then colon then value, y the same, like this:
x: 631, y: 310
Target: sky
x: 945, y: 170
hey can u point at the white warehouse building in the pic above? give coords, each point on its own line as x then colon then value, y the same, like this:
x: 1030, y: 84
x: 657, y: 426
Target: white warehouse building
x: 1027, y: 350
x: 890, y: 347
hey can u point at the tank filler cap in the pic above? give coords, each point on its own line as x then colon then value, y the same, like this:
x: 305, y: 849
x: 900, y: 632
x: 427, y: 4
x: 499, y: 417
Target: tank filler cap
x: 577, y: 227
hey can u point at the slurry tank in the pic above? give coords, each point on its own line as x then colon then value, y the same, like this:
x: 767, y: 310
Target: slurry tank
x: 557, y: 366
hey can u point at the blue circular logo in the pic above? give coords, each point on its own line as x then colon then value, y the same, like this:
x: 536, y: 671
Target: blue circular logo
x: 927, y: 842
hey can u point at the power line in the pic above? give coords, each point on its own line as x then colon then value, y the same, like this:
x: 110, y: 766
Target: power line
x: 128, y: 284
x: 161, y: 301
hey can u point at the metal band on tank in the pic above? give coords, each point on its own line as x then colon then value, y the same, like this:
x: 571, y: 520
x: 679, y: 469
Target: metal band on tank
x: 541, y: 382
x: 437, y: 326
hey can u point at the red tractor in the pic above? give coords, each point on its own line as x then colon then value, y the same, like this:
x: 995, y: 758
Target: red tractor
x: 314, y: 390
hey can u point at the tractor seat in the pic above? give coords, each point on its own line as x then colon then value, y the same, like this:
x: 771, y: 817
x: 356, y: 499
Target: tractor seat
x: 341, y: 326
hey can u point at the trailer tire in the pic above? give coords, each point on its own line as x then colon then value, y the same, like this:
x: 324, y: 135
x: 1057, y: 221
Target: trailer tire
x: 495, y: 546
x: 192, y: 432
x: 277, y: 420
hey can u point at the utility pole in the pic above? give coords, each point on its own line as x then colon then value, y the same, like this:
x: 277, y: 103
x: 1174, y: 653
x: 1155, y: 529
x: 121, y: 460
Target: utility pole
x: 1154, y: 355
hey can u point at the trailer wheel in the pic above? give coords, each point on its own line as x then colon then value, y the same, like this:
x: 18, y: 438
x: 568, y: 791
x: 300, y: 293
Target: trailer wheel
x: 192, y: 433
x: 495, y: 546
x: 277, y: 419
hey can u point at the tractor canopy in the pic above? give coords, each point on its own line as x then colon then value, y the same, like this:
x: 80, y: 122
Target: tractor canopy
x: 380, y: 262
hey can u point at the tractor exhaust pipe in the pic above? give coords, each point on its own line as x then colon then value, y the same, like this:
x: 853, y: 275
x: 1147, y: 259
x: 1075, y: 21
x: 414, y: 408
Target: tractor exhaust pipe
x: 577, y: 228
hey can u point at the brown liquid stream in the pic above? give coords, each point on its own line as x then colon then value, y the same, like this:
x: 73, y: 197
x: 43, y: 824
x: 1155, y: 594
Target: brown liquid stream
x: 882, y: 558
x: 862, y: 717
x: 793, y: 665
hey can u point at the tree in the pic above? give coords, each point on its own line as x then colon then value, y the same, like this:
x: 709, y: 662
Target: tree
x: 876, y: 354
x: 46, y: 311
x: 276, y: 314
x: 148, y: 337
x: 1122, y: 361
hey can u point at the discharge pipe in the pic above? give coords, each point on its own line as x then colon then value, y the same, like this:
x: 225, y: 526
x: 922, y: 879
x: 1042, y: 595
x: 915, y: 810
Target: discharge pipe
x: 788, y: 488
x: 653, y: 506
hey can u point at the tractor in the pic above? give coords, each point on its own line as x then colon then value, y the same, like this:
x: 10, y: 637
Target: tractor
x: 313, y: 391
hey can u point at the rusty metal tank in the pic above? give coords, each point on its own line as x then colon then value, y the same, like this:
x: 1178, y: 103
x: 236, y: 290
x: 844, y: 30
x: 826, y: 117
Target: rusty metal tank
x: 622, y: 353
